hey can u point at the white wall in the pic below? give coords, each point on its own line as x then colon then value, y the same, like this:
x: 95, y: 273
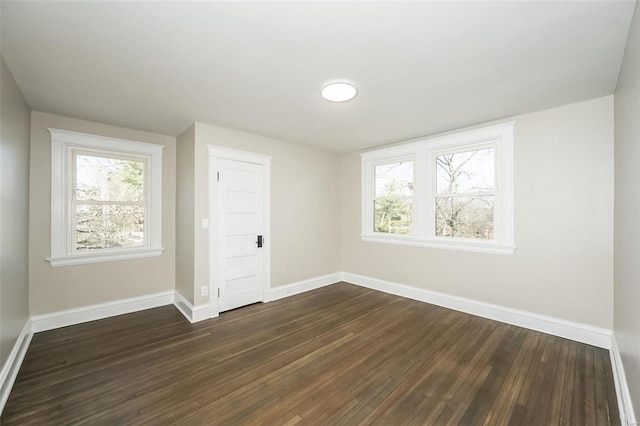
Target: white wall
x: 185, y: 215
x: 305, y: 206
x: 55, y: 289
x: 563, y: 190
x: 626, y: 307
x: 14, y: 212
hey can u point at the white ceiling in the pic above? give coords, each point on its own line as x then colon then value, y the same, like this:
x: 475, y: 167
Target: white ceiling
x: 421, y: 67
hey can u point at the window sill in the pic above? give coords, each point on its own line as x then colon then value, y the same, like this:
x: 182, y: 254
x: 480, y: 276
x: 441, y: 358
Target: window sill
x: 459, y: 245
x: 104, y: 256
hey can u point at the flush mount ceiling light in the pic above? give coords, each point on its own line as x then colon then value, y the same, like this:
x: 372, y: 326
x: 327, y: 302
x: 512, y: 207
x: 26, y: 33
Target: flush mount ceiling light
x: 339, y: 91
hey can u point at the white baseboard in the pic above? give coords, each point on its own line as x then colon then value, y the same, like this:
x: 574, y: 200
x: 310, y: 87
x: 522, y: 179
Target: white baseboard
x: 134, y: 304
x: 627, y: 414
x: 190, y: 312
x: 302, y: 286
x: 584, y: 333
x: 201, y: 313
x: 103, y: 310
x: 13, y: 362
x: 600, y: 337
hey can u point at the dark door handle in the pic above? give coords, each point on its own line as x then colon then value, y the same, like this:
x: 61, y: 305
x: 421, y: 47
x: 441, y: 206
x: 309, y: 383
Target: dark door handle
x: 259, y: 242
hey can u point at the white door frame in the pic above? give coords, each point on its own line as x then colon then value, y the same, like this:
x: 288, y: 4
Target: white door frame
x: 216, y: 153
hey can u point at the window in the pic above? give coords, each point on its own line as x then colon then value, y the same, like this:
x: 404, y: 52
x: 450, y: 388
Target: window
x: 106, y: 199
x: 465, y: 194
x: 393, y: 197
x: 452, y: 192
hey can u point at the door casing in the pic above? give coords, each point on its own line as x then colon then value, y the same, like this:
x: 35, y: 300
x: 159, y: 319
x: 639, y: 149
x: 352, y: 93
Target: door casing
x: 216, y: 153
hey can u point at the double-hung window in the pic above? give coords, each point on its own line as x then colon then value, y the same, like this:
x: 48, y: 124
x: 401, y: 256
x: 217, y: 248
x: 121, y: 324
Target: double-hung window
x: 452, y: 192
x: 393, y: 198
x: 109, y: 200
x: 465, y: 192
x: 106, y: 199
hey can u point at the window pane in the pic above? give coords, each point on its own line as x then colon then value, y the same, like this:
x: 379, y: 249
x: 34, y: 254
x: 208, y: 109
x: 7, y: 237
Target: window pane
x: 109, y: 179
x: 394, y: 180
x: 465, y: 217
x: 108, y: 226
x: 393, y: 216
x: 472, y: 171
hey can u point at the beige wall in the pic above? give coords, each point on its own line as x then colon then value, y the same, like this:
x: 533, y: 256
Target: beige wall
x: 56, y: 289
x: 185, y: 189
x: 626, y: 324
x: 14, y: 212
x: 563, y: 190
x: 305, y: 206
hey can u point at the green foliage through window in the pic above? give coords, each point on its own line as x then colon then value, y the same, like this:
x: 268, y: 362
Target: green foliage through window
x: 110, y: 202
x: 394, y: 198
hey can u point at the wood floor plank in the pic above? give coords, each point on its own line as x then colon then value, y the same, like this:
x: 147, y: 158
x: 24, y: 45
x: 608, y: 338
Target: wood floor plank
x: 545, y: 381
x: 339, y: 355
x: 501, y: 361
x: 506, y: 401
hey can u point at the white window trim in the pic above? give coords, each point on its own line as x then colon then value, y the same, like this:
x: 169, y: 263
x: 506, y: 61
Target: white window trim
x: 62, y: 248
x: 423, y: 153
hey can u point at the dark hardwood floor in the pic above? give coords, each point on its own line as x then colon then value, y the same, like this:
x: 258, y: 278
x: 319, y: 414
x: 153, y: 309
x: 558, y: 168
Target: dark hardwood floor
x: 338, y: 355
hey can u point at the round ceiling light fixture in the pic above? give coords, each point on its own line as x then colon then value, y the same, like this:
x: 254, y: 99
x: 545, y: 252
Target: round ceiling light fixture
x: 339, y: 91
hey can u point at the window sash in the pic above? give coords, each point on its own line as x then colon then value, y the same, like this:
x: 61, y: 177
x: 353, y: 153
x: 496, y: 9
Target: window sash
x: 72, y: 249
x: 406, y: 197
x: 465, y: 194
x: 74, y: 230
x: 393, y: 199
x: 434, y: 224
x: 385, y: 162
x: 145, y: 160
x: 112, y: 203
x: 434, y: 195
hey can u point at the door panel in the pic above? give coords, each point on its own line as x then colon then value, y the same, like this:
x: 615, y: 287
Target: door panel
x: 241, y: 180
x: 240, y: 245
x: 242, y: 202
x: 244, y: 285
x: 242, y: 224
x: 241, y: 220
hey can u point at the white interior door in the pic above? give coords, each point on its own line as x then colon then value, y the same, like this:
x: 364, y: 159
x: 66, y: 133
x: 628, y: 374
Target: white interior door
x: 241, y: 221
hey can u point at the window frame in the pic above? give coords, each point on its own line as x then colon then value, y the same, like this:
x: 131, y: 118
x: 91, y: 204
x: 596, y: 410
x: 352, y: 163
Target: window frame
x: 424, y: 153
x: 74, y: 202
x: 373, y: 194
x: 434, y: 195
x: 65, y: 145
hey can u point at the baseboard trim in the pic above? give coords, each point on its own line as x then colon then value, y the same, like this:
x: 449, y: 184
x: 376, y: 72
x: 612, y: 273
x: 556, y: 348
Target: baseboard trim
x: 625, y: 406
x: 100, y: 311
x: 12, y: 365
x: 201, y: 313
x: 583, y: 333
x: 192, y: 313
x: 301, y: 286
x: 184, y: 306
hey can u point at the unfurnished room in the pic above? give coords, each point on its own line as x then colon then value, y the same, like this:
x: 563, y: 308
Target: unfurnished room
x: 319, y: 212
